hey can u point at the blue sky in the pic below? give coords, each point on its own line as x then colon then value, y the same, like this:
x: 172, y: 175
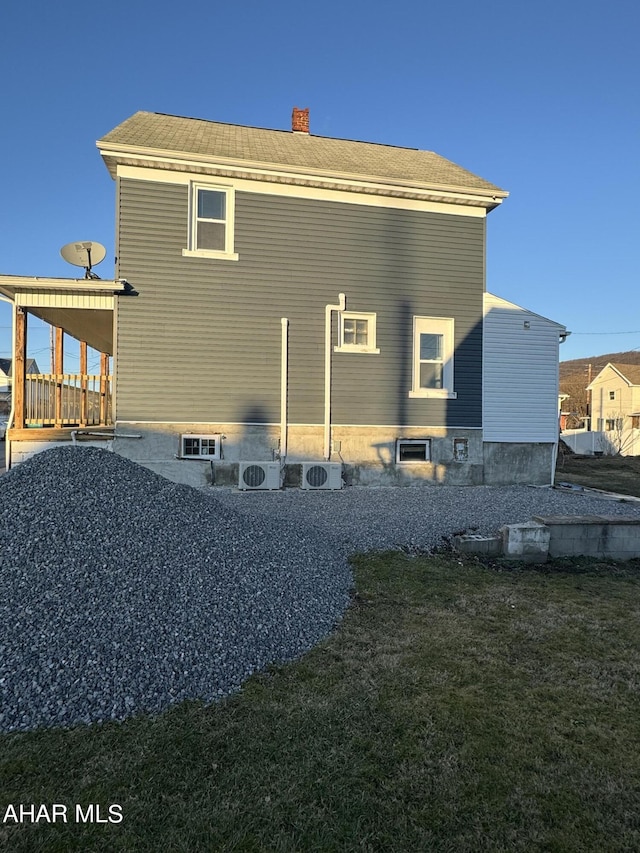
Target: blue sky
x: 540, y: 98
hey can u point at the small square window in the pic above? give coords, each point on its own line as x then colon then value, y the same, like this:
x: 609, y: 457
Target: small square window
x: 200, y: 446
x: 356, y: 332
x: 413, y: 450
x: 211, y: 222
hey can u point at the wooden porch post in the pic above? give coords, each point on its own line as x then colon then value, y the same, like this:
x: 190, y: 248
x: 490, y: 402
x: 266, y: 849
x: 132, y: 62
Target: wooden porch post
x: 19, y: 369
x: 83, y: 384
x: 58, y: 369
x: 104, y: 373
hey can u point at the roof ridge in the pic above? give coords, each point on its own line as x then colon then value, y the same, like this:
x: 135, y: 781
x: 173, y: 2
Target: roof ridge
x: 291, y: 133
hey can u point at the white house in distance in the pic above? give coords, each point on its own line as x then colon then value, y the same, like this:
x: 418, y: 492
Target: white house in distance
x: 615, y: 407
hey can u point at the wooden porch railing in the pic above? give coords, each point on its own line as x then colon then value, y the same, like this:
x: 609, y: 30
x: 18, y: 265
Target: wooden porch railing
x: 67, y: 399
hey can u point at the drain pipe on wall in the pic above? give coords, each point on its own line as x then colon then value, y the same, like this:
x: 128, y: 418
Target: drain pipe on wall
x: 554, y: 453
x: 342, y: 300
x: 7, y: 443
x: 284, y: 389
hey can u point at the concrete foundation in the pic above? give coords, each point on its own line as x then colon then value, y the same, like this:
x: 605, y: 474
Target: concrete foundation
x: 458, y: 457
x: 509, y: 463
x: 368, y: 454
x: 23, y: 450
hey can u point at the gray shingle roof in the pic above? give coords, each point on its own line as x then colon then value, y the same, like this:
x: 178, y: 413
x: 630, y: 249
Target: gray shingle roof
x: 285, y: 149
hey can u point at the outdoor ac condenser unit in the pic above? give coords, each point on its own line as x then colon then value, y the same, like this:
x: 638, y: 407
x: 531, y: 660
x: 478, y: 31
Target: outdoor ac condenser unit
x: 259, y: 475
x: 322, y: 475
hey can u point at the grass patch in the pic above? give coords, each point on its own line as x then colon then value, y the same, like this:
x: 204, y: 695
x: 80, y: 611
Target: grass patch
x: 611, y: 473
x: 459, y: 708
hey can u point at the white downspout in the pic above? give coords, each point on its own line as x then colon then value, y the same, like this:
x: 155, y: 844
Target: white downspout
x: 7, y: 443
x: 284, y: 366
x: 327, y: 371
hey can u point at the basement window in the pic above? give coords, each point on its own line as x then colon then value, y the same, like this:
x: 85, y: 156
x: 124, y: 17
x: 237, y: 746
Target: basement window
x: 211, y: 222
x: 200, y: 446
x: 413, y: 450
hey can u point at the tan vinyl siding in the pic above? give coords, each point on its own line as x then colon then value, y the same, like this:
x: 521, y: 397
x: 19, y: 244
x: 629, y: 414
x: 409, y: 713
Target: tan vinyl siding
x: 202, y: 340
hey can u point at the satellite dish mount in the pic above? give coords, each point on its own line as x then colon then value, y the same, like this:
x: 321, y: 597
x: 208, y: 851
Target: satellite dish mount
x: 84, y: 254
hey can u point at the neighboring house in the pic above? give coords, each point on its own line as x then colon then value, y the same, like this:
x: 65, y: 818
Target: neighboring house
x: 6, y: 379
x: 615, y: 407
x: 309, y: 299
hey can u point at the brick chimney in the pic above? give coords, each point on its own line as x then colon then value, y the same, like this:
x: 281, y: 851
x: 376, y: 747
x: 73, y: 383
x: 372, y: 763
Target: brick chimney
x: 300, y: 120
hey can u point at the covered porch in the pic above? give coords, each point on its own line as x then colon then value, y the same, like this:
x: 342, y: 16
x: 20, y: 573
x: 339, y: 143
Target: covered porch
x: 50, y: 406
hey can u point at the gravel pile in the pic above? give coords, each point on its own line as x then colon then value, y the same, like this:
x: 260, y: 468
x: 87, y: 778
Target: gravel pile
x: 121, y: 592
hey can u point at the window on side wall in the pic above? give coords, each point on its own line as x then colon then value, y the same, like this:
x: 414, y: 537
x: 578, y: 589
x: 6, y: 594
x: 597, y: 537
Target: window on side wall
x: 211, y: 222
x: 200, y: 446
x: 357, y: 332
x: 432, y: 358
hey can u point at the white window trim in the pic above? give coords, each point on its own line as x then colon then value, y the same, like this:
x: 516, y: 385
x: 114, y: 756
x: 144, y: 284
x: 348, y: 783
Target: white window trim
x: 371, y: 332
x: 217, y: 437
x: 434, y: 326
x: 230, y: 207
x: 424, y: 441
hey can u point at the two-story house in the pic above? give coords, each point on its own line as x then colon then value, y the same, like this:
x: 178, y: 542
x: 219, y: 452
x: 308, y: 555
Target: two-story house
x: 307, y: 299
x: 615, y: 407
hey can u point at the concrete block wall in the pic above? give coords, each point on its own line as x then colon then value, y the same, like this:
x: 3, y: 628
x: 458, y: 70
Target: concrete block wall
x: 593, y: 536
x: 534, y: 541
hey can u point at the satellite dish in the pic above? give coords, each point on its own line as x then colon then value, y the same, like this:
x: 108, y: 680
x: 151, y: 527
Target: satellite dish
x: 84, y: 254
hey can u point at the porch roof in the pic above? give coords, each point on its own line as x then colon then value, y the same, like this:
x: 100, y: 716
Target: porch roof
x: 82, y: 307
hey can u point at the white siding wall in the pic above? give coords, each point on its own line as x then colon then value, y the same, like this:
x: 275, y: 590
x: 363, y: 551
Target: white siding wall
x: 520, y: 378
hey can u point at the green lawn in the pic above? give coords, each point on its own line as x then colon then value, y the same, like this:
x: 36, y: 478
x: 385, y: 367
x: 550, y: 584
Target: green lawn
x: 611, y: 473
x: 458, y: 708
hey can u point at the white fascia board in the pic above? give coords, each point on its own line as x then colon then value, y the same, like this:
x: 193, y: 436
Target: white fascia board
x: 9, y: 284
x: 279, y: 173
x: 266, y: 187
x: 504, y: 303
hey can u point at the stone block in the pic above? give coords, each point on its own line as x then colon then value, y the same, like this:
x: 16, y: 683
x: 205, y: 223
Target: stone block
x: 528, y: 542
x: 473, y: 543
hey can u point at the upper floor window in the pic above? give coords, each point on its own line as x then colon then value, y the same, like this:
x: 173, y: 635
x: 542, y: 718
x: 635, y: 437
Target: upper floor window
x: 211, y: 222
x: 357, y: 332
x: 612, y: 395
x: 432, y: 357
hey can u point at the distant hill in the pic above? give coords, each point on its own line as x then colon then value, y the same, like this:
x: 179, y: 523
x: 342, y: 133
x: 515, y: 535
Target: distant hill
x: 574, y: 377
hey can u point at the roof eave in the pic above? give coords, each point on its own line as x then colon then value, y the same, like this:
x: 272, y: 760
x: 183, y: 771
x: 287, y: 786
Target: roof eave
x: 131, y: 155
x: 12, y: 284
